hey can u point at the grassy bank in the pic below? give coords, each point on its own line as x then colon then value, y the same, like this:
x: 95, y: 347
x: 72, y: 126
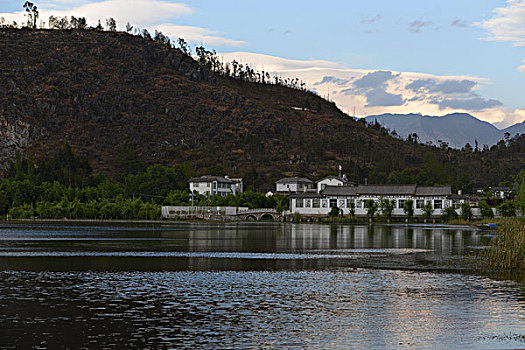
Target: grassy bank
x: 507, y: 250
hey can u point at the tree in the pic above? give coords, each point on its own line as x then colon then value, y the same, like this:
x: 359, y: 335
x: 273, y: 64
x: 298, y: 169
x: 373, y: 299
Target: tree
x: 32, y: 14
x: 449, y: 214
x: 408, y: 208
x: 111, y: 24
x: 371, y: 206
x: 485, y: 210
x: 334, y: 212
x: 427, y: 210
x: 507, y: 209
x: 520, y: 197
x: 352, y: 208
x: 183, y: 46
x: 78, y: 23
x: 387, y: 207
x: 466, y: 211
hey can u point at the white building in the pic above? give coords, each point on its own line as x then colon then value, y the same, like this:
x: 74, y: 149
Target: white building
x: 215, y: 185
x: 344, y: 197
x: 330, y: 180
x: 295, y: 185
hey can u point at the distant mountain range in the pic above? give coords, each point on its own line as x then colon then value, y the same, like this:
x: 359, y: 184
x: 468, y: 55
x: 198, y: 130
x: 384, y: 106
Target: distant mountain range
x: 456, y: 129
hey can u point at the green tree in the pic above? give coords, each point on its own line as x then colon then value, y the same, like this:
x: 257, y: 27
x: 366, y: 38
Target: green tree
x: 507, y: 209
x: 485, y: 210
x: 520, y: 197
x: 427, y: 210
x: 450, y: 214
x: 352, y: 208
x: 371, y: 206
x: 408, y: 208
x: 387, y: 207
x: 466, y: 211
x: 334, y: 212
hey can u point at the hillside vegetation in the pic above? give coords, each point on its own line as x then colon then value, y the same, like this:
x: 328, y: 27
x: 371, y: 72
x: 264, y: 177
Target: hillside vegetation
x: 125, y: 101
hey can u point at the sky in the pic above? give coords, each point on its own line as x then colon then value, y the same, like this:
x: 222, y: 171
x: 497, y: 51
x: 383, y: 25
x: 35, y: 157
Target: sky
x: 370, y: 57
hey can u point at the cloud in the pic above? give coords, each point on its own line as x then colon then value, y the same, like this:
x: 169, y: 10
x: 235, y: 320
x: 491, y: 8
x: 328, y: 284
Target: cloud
x: 141, y: 13
x: 459, y: 23
x: 150, y: 14
x: 372, y: 19
x: 377, y: 91
x: 417, y: 25
x: 334, y: 80
x: 507, y: 23
x: 197, y: 35
x: 522, y: 68
x: 473, y: 104
x: 374, y: 79
x: 380, y: 98
x: 288, y: 31
x: 447, y: 86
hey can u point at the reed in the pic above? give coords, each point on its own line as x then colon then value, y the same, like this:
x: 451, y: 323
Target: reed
x: 507, y: 249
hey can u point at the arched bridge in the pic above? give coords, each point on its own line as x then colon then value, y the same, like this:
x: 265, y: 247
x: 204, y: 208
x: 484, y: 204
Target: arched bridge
x: 259, y: 214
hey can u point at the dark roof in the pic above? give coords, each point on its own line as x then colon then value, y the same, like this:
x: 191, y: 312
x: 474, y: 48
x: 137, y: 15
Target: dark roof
x: 305, y: 195
x: 339, y: 191
x: 433, y: 191
x: 209, y: 178
x: 332, y: 177
x: 290, y: 180
x: 386, y: 190
x: 501, y: 188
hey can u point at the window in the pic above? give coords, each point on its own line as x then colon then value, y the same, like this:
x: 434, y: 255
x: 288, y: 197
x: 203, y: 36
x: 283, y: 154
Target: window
x: 401, y: 203
x: 342, y: 203
x: 325, y: 203
x: 358, y: 204
x: 299, y: 202
x: 333, y: 202
x: 349, y: 202
x: 308, y: 203
x: 438, y: 204
x: 420, y: 203
x: 316, y: 203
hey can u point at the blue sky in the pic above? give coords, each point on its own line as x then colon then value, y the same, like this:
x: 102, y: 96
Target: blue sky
x: 477, y: 46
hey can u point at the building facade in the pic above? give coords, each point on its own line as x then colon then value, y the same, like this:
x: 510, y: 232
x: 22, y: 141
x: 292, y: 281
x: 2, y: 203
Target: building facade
x: 295, y: 185
x: 348, y: 198
x: 215, y: 185
x: 330, y: 180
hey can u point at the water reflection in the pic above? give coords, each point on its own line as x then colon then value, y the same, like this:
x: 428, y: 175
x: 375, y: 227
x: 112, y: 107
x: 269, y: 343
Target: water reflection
x: 260, y: 285
x: 248, y: 309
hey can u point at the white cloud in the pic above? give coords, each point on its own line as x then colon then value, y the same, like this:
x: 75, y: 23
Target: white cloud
x: 507, y: 23
x: 197, y: 35
x: 141, y: 13
x: 397, y: 92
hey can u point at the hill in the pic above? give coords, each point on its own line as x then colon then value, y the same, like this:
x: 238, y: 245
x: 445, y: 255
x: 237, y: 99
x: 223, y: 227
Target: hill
x: 125, y: 101
x: 456, y: 129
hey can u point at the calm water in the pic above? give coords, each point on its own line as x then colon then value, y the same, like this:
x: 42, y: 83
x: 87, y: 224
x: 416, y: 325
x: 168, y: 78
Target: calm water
x: 260, y: 285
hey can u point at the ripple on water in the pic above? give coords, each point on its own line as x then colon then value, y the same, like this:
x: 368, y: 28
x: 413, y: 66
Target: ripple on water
x: 274, y: 309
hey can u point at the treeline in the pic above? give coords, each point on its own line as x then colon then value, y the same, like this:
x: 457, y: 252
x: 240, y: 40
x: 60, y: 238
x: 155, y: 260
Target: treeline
x: 206, y: 58
x: 63, y: 187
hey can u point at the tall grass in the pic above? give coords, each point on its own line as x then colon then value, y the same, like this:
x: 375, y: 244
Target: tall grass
x: 507, y: 249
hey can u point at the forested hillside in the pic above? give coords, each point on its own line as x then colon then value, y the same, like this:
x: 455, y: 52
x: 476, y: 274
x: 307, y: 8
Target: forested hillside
x: 125, y: 102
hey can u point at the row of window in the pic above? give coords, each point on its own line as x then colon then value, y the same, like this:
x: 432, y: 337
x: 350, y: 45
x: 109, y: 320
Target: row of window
x: 358, y: 204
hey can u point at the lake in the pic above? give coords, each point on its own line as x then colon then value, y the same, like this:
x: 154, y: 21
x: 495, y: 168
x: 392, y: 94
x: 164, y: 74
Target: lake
x: 251, y: 285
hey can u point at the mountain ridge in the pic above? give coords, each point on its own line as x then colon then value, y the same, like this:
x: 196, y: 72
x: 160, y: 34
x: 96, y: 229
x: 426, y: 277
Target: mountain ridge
x: 456, y: 129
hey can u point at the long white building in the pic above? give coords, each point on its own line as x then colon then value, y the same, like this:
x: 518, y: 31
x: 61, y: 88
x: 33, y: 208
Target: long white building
x: 320, y: 204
